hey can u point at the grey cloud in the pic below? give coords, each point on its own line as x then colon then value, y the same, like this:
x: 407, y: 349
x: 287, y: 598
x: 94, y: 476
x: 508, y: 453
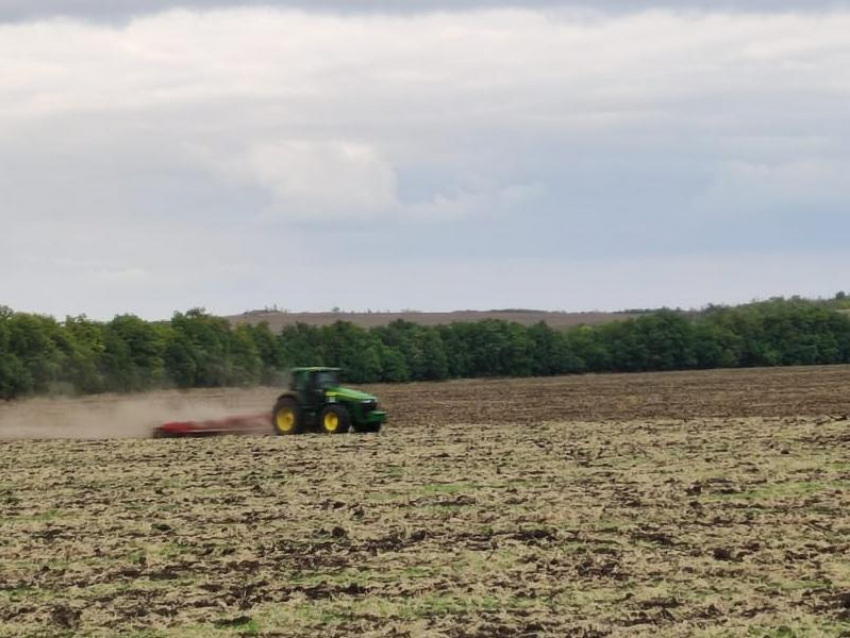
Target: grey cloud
x: 119, y: 10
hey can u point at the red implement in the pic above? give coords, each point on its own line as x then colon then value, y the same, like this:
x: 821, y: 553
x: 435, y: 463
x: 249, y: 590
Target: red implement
x: 245, y: 424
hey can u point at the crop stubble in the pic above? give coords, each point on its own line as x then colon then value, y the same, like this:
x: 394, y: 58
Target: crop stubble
x: 675, y: 504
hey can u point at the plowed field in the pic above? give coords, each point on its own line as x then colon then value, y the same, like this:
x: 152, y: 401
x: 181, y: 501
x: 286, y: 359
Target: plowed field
x: 707, y: 504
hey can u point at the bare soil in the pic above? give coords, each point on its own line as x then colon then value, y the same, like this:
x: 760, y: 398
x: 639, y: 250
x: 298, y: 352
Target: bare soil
x: 706, y: 504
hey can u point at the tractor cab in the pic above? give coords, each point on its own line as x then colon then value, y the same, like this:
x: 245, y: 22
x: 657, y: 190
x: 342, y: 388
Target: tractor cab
x: 311, y: 384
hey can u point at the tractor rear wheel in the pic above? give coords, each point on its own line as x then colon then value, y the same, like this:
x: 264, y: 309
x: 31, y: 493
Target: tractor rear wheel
x: 334, y: 419
x: 286, y: 417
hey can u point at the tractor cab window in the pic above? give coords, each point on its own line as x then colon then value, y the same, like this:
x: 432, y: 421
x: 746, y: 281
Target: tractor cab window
x: 327, y: 379
x: 299, y: 381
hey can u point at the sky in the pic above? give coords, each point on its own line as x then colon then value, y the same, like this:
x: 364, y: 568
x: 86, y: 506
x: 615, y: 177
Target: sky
x: 374, y: 155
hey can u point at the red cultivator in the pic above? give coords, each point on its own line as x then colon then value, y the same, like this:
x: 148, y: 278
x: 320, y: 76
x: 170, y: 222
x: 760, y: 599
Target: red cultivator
x: 246, y: 424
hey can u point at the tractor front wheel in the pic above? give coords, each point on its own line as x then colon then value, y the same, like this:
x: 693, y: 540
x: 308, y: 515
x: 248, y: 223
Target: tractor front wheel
x: 334, y: 419
x: 286, y: 417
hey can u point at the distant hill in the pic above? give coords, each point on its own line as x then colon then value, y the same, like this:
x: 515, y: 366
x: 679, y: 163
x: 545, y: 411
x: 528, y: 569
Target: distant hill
x: 278, y: 319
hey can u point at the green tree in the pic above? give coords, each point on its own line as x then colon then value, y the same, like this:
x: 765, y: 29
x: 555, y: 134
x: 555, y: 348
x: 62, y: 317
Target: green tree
x: 84, y: 346
x: 181, y: 361
x: 207, y: 340
x: 393, y: 366
x: 357, y: 351
x: 32, y: 342
x: 15, y: 379
x: 133, y: 354
x: 434, y: 362
x: 589, y: 347
x: 272, y: 358
x: 247, y: 365
x: 300, y: 345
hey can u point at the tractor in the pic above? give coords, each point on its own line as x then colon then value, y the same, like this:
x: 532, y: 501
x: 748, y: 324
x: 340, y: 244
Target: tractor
x: 316, y: 401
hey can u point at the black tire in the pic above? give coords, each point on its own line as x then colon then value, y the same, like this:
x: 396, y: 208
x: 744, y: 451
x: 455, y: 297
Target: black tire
x: 334, y: 419
x: 286, y: 417
x: 368, y: 428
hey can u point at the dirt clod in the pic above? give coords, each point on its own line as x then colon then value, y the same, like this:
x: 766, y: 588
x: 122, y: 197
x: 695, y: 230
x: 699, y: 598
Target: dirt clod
x: 65, y: 617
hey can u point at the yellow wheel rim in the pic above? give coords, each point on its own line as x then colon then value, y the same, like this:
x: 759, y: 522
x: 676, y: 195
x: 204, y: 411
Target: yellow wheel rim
x: 285, y: 420
x: 331, y: 422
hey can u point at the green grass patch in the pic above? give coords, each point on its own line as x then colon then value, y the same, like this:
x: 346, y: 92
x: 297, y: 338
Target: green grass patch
x: 782, y: 491
x: 43, y: 517
x: 395, y: 471
x: 449, y: 488
x: 328, y: 613
x: 802, y: 629
x: 355, y: 576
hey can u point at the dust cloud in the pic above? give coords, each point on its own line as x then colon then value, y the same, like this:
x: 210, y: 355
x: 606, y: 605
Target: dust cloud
x: 113, y: 416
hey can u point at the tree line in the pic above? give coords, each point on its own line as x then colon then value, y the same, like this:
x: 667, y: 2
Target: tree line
x: 40, y: 355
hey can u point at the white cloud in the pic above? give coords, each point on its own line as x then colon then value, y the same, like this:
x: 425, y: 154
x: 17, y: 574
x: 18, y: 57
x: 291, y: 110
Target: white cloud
x: 322, y: 179
x: 337, y: 181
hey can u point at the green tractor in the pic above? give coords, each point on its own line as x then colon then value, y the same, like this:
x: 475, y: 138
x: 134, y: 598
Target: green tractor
x: 316, y: 401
